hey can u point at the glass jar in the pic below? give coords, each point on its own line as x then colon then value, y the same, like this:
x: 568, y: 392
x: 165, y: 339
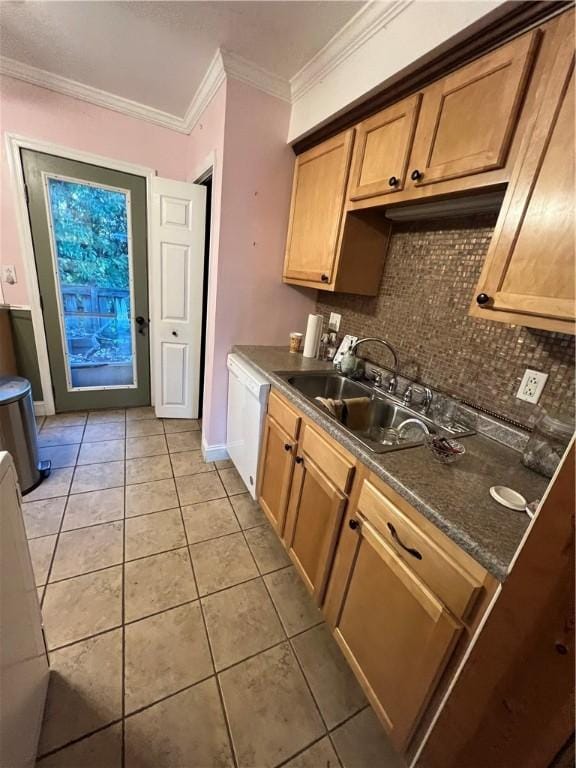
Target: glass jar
x: 547, y: 443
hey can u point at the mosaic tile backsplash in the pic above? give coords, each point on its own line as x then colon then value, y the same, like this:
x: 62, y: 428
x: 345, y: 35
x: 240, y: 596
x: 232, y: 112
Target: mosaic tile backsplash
x: 429, y: 279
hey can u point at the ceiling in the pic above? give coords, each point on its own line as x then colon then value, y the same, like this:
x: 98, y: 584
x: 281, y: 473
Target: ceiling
x: 156, y: 53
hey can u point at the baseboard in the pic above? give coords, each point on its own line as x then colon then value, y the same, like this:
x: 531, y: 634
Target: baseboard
x: 213, y: 452
x: 41, y: 409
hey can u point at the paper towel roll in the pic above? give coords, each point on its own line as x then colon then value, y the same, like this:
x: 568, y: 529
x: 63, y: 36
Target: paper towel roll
x: 313, y: 334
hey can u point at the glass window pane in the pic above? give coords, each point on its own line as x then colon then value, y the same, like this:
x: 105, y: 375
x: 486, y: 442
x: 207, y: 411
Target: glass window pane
x: 92, y: 254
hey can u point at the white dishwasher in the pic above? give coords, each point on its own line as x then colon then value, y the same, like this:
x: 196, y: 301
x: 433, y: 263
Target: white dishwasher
x: 247, y: 398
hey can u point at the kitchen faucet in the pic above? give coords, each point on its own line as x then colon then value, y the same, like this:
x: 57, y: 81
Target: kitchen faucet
x: 393, y: 381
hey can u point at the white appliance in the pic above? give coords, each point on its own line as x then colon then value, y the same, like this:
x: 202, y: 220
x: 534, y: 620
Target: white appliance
x: 247, y: 398
x: 23, y: 660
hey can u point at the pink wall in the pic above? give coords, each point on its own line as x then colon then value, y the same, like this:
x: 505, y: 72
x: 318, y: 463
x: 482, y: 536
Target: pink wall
x: 37, y: 113
x: 205, y: 145
x: 252, y: 305
x: 245, y: 130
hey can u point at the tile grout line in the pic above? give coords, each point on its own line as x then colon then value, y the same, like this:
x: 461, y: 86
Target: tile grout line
x: 200, y: 598
x: 288, y: 640
x: 217, y: 680
x: 53, y: 557
x: 161, y: 552
x: 77, y: 740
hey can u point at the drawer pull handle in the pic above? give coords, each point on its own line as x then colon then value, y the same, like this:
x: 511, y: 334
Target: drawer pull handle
x: 410, y: 550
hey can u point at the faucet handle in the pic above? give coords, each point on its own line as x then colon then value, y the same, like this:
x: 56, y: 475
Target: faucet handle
x: 424, y: 396
x: 392, y: 385
x: 376, y: 376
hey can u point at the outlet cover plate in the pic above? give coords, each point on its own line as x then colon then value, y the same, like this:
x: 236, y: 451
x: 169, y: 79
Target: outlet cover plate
x: 334, y: 321
x: 531, y: 385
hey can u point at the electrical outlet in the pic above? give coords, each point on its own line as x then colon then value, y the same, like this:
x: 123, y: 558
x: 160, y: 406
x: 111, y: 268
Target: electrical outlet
x: 9, y: 274
x: 531, y: 385
x: 334, y: 322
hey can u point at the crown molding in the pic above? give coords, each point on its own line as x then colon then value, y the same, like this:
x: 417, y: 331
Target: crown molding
x: 212, y: 80
x: 238, y: 68
x: 100, y: 98
x: 369, y: 20
x: 224, y: 64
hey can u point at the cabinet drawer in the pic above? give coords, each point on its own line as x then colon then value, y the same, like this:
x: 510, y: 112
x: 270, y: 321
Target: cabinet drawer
x: 281, y: 412
x: 334, y: 465
x: 457, y: 588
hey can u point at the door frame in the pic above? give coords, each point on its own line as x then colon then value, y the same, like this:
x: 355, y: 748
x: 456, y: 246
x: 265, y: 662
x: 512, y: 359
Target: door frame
x: 14, y: 143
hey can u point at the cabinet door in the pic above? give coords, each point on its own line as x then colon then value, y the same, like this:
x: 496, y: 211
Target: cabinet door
x: 395, y: 633
x: 467, y: 118
x: 318, y: 193
x: 276, y: 467
x: 314, y: 519
x: 530, y: 265
x: 381, y: 150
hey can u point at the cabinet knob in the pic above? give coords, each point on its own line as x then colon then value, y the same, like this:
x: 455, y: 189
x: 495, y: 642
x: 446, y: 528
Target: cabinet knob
x: 324, y: 278
x: 561, y: 649
x: 482, y: 299
x: 353, y: 523
x: 299, y: 459
x: 287, y: 447
x: 174, y: 333
x: 416, y: 175
x: 392, y: 181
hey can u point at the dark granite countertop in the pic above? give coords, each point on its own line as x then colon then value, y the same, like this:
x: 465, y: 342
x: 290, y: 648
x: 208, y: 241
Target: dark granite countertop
x: 455, y: 498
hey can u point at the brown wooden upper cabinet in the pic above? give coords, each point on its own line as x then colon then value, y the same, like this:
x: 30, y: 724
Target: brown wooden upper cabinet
x: 528, y: 277
x: 453, y: 137
x: 324, y: 250
x: 382, y: 149
x: 320, y: 178
x: 468, y: 118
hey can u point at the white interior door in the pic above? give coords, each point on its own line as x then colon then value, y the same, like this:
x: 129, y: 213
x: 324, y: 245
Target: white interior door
x: 178, y: 224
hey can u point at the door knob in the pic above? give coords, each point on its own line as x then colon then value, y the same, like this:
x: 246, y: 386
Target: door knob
x: 174, y: 333
x: 353, y: 524
x: 299, y: 459
x: 287, y: 447
x: 392, y: 181
x: 324, y: 278
x: 482, y: 299
x: 416, y: 175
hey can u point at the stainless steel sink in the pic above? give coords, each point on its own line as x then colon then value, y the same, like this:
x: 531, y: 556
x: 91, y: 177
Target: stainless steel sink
x: 327, y: 384
x: 385, y: 425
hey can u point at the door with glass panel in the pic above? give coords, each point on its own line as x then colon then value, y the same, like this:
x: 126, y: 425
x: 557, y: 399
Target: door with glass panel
x: 89, y: 234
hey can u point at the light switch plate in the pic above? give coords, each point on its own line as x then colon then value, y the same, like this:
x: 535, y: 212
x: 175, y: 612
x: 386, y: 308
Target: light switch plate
x: 9, y: 274
x: 531, y: 385
x: 334, y: 321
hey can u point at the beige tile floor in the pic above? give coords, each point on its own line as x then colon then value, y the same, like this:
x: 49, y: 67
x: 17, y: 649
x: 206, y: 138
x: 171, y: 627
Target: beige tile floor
x: 179, y: 634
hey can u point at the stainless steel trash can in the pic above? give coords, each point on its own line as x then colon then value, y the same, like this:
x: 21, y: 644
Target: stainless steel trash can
x: 18, y: 431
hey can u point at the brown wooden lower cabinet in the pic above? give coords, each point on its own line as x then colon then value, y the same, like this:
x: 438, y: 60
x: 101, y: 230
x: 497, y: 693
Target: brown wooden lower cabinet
x: 396, y: 634
x: 314, y: 517
x: 275, y: 476
x: 401, y: 599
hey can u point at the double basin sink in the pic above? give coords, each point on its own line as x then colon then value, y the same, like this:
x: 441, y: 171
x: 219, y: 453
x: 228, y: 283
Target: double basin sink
x: 379, y: 421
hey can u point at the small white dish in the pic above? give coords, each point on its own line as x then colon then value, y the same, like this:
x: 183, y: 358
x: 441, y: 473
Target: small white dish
x: 508, y: 498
